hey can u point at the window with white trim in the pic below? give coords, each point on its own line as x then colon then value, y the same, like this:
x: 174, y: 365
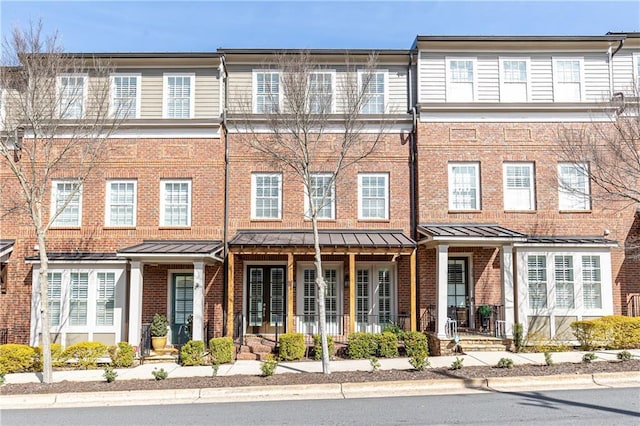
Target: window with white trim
x: 464, y: 186
x: 266, y: 196
x: 105, y: 297
x: 175, y: 202
x: 573, y: 186
x: 322, y: 195
x: 125, y: 95
x: 375, y: 296
x: 591, y: 282
x: 121, y: 203
x: 564, y: 282
x: 373, y: 196
x: 519, y: 186
x: 69, y: 193
x: 78, y: 297
x: 537, y: 277
x: 374, y: 86
x: 266, y: 91
x: 179, y: 95
x: 514, y: 80
x: 567, y: 80
x: 460, y: 79
x: 54, y: 298
x: 321, y: 92
x: 71, y: 95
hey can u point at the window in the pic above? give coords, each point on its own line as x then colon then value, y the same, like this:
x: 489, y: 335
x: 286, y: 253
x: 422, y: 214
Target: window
x: 323, y: 196
x: 175, y: 203
x: 375, y: 296
x: 306, y: 299
x: 266, y: 196
x: 591, y: 282
x: 121, y: 203
x: 321, y: 92
x: 105, y: 298
x: 567, y: 80
x: 54, y: 295
x: 70, y: 193
x: 519, y: 190
x: 179, y: 93
x: 373, y: 196
x: 573, y: 186
x: 564, y: 282
x: 78, y: 297
x: 537, y: 277
x: 464, y: 186
x: 514, y: 80
x: 373, y: 91
x: 71, y: 95
x: 125, y: 96
x: 267, y: 91
x: 460, y: 79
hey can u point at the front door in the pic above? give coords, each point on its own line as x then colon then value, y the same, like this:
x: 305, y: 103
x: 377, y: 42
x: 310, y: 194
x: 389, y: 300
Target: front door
x: 458, y: 291
x: 181, y: 307
x: 266, y: 301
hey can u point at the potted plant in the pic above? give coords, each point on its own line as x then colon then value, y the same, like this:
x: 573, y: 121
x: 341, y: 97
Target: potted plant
x: 159, y: 327
x: 485, y: 311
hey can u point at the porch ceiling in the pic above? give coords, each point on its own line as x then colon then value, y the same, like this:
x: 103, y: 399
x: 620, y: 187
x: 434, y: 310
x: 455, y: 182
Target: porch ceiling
x: 173, y: 250
x: 469, y: 233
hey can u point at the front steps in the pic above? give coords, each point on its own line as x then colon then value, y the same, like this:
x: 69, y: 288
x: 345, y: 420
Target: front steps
x: 255, y: 348
x: 469, y: 342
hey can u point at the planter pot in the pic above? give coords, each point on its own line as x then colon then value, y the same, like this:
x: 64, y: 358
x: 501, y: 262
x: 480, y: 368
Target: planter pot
x: 158, y: 343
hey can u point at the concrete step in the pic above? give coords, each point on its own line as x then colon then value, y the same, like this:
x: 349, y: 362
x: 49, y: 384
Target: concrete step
x: 246, y: 356
x: 261, y: 349
x: 244, y: 349
x: 478, y: 347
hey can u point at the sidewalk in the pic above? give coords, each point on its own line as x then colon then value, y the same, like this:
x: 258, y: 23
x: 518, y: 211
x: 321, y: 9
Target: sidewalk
x: 338, y: 390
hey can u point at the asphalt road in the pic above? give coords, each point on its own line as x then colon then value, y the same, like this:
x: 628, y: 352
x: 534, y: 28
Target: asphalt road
x: 567, y: 407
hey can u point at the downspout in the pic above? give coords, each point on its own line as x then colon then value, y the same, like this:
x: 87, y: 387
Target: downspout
x: 413, y: 182
x: 225, y: 253
x: 611, y: 55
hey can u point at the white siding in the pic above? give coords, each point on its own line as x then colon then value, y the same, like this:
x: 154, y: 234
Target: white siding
x: 397, y: 78
x: 596, y: 77
x: 541, y: 78
x: 488, y: 89
x: 432, y: 82
x: 623, y: 72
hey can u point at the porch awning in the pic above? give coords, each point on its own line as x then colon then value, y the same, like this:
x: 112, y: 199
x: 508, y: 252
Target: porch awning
x: 331, y: 241
x: 462, y: 233
x: 173, y: 250
x: 568, y: 241
x: 6, y: 247
x: 73, y: 257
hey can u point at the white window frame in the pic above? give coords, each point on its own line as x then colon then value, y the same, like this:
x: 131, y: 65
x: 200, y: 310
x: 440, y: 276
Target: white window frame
x: 332, y: 74
x: 331, y: 202
x: 567, y: 195
x: 163, y: 183
x: 59, y: 87
x: 450, y: 83
x: 254, y: 176
x: 385, y: 92
x: 361, y: 195
x: 254, y: 95
x: 54, y: 204
x: 165, y: 93
x: 107, y: 203
x: 557, y: 83
x: 138, y: 77
x: 478, y: 188
x: 504, y: 84
x: 532, y: 186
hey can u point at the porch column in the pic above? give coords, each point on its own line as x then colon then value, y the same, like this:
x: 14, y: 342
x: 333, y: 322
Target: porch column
x: 230, y: 288
x: 506, y: 270
x: 135, y: 303
x: 290, y: 293
x: 198, y: 302
x: 352, y: 292
x: 412, y: 291
x: 442, y: 265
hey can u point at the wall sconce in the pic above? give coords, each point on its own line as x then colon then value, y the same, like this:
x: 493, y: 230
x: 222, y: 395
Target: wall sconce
x: 346, y: 280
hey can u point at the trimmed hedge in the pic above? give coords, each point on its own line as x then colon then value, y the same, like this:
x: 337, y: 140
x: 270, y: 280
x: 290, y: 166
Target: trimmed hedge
x: 611, y: 332
x: 57, y: 359
x: 317, y: 346
x: 15, y: 358
x: 86, y: 354
x: 121, y: 355
x: 192, y: 353
x: 415, y: 344
x: 362, y: 345
x: 292, y: 346
x: 221, y: 349
x: 387, y: 345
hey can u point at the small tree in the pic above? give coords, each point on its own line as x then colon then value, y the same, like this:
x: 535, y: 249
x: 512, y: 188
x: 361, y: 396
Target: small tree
x: 56, y: 119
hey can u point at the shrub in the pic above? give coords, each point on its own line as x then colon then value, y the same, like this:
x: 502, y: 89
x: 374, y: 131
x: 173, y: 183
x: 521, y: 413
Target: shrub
x: 214, y: 369
x: 159, y: 326
x: 109, y: 374
x: 394, y: 328
x: 221, y: 349
x: 518, y: 336
x: 85, y: 353
x: 268, y: 366
x: 121, y: 355
x: 419, y: 362
x: 612, y: 332
x: 415, y: 344
x: 457, y: 363
x: 192, y: 353
x: 375, y: 363
x: 588, y: 357
x: 387, y: 345
x: 2, y: 379
x: 160, y: 374
x: 588, y: 333
x: 16, y: 358
x: 292, y: 346
x: 547, y: 359
x: 624, y: 356
x: 57, y: 360
x: 362, y: 345
x: 317, y: 346
x: 505, y: 363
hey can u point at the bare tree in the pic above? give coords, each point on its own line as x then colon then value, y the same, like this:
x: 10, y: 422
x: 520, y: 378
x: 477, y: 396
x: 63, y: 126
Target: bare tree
x: 305, y: 127
x: 55, y: 123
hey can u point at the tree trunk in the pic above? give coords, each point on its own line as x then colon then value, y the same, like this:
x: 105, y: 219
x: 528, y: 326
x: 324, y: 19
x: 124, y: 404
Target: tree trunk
x: 47, y: 367
x: 320, y: 300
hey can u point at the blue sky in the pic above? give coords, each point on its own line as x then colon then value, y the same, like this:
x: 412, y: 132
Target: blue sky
x: 93, y: 26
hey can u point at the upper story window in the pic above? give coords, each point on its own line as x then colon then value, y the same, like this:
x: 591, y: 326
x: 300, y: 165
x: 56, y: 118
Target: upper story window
x: 460, y: 79
x: 567, y: 80
x: 125, y: 95
x: 374, y: 91
x: 66, y: 200
x: 321, y: 92
x: 373, y: 196
x: 266, y: 196
x: 464, y: 186
x: 179, y: 95
x: 519, y: 186
x: 266, y: 91
x: 175, y: 202
x: 514, y: 82
x: 72, y: 92
x: 121, y: 203
x: 573, y: 186
x: 323, y: 196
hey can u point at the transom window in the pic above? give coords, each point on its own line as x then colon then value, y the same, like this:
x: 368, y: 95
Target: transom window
x: 121, y: 203
x: 125, y: 96
x: 573, y: 186
x: 71, y: 96
x: 322, y: 195
x: 513, y: 80
x: 464, y: 186
x: 460, y: 79
x: 373, y: 196
x: 519, y: 187
x: 373, y: 91
x: 175, y: 203
x: 267, y: 91
x: 67, y: 202
x: 179, y: 92
x: 321, y: 92
x: 266, y: 195
x: 567, y: 80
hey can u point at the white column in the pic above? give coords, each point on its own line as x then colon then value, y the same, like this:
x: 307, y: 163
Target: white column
x: 198, y: 301
x: 442, y: 265
x: 135, y: 303
x: 506, y: 270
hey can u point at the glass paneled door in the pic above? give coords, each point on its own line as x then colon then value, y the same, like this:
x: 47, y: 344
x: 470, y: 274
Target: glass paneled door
x: 266, y: 301
x: 458, y: 290
x: 181, y: 308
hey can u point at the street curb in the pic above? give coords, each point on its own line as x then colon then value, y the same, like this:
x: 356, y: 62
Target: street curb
x: 413, y: 388
x: 271, y: 393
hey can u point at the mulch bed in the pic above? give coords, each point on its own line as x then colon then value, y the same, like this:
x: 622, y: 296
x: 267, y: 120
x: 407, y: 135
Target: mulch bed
x: 317, y: 378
